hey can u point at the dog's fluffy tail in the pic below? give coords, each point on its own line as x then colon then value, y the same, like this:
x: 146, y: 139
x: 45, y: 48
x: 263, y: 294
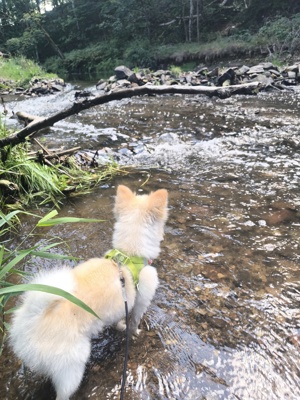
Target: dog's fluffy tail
x: 27, y: 317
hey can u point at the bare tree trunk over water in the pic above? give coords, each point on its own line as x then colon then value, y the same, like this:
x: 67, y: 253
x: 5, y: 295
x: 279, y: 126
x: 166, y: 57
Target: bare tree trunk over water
x: 39, y: 122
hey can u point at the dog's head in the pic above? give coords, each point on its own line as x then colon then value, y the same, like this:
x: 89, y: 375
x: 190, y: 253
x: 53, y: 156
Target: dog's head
x: 140, y: 221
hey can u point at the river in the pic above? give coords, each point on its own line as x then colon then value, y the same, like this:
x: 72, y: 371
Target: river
x: 225, y: 321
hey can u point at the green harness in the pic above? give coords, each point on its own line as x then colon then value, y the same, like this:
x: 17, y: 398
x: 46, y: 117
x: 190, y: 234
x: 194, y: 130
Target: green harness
x: 134, y: 264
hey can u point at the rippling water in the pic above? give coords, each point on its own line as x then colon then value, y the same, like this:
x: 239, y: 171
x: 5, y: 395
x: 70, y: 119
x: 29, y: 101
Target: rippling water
x: 225, y: 321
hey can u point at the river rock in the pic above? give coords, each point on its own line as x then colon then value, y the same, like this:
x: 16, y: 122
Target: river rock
x: 101, y: 85
x: 295, y: 68
x: 112, y: 79
x: 257, y: 69
x: 125, y: 152
x: 291, y: 74
x: 161, y: 72
x: 135, y: 78
x: 168, y: 137
x: 267, y: 65
x: 265, y: 80
x: 227, y: 78
x: 201, y: 70
x: 242, y: 70
x: 123, y: 72
x: 274, y: 72
x: 57, y: 87
x: 214, y: 73
x: 123, y: 83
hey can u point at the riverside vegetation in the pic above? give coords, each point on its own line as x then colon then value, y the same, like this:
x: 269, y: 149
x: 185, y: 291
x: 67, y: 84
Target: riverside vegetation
x: 19, y: 71
x: 24, y: 180
x: 97, y: 36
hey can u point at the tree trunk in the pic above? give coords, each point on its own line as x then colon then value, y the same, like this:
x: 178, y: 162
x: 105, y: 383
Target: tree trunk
x: 197, y: 21
x: 53, y: 44
x: 184, y: 23
x: 38, y: 123
x: 75, y: 16
x: 191, y: 19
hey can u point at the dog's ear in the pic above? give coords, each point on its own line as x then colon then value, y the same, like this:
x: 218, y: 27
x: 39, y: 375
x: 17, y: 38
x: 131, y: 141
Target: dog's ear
x: 158, y: 203
x: 124, y: 196
x: 124, y: 193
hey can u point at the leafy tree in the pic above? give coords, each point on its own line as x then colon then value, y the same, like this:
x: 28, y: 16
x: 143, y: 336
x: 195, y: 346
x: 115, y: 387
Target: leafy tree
x: 129, y: 28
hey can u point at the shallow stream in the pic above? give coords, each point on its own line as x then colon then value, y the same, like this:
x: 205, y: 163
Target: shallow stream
x: 225, y: 322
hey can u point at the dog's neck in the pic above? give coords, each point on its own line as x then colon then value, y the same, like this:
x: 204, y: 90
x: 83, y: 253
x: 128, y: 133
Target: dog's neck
x: 141, y: 241
x: 134, y: 264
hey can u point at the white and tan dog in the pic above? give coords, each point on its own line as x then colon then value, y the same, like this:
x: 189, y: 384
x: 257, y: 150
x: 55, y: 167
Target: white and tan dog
x: 52, y: 335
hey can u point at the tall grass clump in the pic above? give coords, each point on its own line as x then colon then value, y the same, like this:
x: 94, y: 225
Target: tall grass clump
x: 21, y: 70
x: 24, y: 180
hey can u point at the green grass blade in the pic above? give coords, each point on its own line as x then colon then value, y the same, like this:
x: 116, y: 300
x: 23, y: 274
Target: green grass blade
x: 13, y: 290
x: 11, y: 310
x: 51, y: 214
x: 1, y: 254
x: 6, y: 218
x: 14, y: 262
x: 52, y: 256
x: 65, y: 220
x: 50, y: 246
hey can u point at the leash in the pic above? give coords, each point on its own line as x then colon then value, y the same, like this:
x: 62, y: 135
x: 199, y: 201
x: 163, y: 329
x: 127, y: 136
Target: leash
x: 122, y: 259
x: 122, y: 279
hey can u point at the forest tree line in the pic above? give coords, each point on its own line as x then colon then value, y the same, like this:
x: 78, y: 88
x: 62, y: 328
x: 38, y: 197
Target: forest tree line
x: 86, y: 32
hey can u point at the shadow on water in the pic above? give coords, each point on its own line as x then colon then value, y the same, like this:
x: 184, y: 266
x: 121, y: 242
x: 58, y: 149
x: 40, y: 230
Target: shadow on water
x: 225, y: 321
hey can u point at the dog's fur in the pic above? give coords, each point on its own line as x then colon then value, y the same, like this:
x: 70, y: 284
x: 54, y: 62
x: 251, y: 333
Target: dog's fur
x: 52, y: 335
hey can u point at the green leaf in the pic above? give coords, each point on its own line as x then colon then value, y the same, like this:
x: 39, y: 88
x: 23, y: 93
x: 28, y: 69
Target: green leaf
x: 11, y: 310
x: 6, y: 218
x: 22, y: 254
x: 1, y: 254
x: 13, y: 290
x: 65, y: 220
x: 51, y: 214
x: 43, y: 253
x: 52, y: 256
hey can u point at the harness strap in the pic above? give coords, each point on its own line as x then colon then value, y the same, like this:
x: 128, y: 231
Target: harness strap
x: 134, y: 264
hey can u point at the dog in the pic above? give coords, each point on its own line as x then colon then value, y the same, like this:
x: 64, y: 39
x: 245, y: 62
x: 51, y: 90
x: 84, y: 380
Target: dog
x: 51, y: 335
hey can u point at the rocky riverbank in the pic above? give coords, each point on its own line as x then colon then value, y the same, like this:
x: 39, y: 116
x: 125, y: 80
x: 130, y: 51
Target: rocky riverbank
x: 270, y: 75
x: 36, y: 87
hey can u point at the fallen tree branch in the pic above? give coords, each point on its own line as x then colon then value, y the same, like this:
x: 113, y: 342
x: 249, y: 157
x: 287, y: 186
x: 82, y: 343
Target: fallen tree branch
x: 63, y: 152
x: 27, y: 119
x: 57, y: 152
x: 41, y: 146
x: 39, y: 122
